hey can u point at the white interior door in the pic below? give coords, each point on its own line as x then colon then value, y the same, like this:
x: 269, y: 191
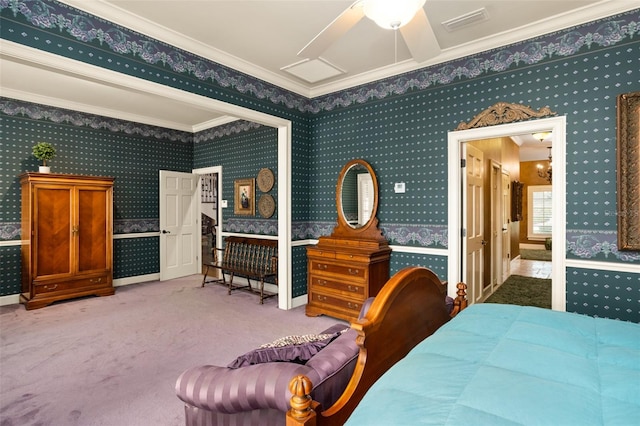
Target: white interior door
x: 179, y: 224
x: 474, y: 222
x: 495, y: 244
x: 506, y: 231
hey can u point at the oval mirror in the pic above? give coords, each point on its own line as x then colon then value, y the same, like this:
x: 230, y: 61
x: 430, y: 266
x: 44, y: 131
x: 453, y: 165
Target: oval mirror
x: 357, y: 194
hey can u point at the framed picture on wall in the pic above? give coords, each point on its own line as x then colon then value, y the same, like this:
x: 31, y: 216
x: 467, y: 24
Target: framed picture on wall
x: 628, y: 171
x: 244, y: 200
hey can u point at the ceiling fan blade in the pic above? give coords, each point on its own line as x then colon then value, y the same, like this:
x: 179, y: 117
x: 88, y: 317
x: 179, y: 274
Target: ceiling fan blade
x: 336, y: 29
x: 420, y: 38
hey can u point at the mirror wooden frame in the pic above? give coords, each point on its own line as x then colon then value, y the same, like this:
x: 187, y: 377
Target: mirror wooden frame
x: 628, y: 171
x: 369, y: 231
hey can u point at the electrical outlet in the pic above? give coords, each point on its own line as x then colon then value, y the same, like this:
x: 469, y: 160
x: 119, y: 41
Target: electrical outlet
x: 399, y: 188
x: 223, y: 204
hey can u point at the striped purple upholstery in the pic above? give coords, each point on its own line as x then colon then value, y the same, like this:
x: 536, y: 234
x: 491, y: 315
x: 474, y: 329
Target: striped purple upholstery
x: 259, y: 394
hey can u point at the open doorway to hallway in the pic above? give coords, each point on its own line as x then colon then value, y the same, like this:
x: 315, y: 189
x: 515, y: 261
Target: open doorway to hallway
x: 478, y: 129
x: 210, y: 209
x: 209, y: 214
x: 510, y: 227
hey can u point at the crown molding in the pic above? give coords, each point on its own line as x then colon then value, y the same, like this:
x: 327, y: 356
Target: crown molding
x: 151, y: 29
x: 49, y: 62
x: 574, y: 18
x: 90, y: 109
x: 213, y: 123
x: 115, y: 14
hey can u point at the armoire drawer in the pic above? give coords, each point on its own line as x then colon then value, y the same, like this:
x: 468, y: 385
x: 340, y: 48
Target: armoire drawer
x: 70, y: 285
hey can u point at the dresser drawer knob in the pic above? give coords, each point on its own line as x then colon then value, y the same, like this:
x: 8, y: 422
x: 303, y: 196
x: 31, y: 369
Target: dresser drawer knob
x: 95, y: 281
x: 352, y: 288
x: 322, y: 266
x: 52, y: 287
x: 353, y: 305
x: 322, y: 282
x: 322, y: 298
x: 354, y: 271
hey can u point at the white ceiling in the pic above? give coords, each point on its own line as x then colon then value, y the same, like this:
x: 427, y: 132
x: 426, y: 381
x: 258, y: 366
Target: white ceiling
x: 261, y: 37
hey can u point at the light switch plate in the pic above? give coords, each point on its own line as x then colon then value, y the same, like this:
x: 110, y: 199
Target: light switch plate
x: 223, y: 204
x: 399, y: 188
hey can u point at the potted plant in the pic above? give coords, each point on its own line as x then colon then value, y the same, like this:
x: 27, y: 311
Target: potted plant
x: 44, y: 151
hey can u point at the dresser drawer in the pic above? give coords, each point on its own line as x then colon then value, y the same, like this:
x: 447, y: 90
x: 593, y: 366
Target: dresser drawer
x: 337, y: 302
x: 325, y: 254
x: 352, y: 271
x: 322, y: 283
x: 353, y: 257
x: 70, y: 285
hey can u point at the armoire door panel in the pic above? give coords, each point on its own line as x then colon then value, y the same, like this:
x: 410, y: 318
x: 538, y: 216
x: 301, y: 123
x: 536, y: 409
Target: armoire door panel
x: 92, y: 230
x: 53, y: 231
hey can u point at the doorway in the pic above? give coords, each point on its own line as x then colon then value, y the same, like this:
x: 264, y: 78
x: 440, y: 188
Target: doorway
x: 457, y: 267
x: 495, y: 168
x: 210, y: 213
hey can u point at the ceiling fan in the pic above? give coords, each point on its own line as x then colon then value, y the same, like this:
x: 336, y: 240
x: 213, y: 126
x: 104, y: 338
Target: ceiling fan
x: 406, y: 16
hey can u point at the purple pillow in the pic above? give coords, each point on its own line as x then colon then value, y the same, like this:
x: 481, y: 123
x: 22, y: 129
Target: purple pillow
x: 298, y: 349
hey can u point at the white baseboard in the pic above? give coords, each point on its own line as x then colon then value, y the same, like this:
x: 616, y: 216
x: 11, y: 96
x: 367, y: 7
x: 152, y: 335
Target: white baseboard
x: 11, y: 299
x: 299, y: 301
x: 135, y: 280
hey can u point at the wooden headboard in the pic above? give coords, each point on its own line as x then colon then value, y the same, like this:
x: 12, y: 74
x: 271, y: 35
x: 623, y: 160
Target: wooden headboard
x: 409, y: 308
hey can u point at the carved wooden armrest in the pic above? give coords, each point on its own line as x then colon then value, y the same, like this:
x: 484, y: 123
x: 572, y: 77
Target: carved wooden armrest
x: 303, y: 407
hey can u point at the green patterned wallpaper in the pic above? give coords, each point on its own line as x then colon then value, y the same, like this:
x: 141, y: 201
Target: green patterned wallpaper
x: 93, y: 145
x: 400, y: 124
x: 241, y: 154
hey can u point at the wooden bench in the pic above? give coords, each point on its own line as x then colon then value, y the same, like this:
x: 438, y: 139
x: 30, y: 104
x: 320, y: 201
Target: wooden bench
x: 252, y: 258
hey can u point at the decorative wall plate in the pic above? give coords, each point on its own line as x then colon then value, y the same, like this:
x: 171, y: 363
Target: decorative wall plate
x: 266, y: 206
x: 265, y: 180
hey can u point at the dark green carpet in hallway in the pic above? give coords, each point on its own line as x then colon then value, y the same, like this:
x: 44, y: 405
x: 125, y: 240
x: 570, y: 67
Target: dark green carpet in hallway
x: 525, y: 291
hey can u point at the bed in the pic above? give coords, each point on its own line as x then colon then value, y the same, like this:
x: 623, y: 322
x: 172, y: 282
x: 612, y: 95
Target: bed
x: 491, y: 364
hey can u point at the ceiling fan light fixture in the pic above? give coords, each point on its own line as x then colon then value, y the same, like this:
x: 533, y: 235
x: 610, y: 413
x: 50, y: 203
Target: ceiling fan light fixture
x: 391, y: 14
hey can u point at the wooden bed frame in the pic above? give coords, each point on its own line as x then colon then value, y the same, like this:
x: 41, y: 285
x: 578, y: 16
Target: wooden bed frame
x: 409, y: 308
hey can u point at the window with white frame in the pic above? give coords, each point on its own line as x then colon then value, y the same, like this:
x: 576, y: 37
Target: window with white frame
x: 539, y: 209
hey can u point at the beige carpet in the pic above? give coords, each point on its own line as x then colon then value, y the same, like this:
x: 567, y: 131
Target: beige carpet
x: 113, y: 361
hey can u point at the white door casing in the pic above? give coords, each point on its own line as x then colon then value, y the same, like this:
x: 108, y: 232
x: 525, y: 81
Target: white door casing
x: 179, y: 224
x: 456, y: 141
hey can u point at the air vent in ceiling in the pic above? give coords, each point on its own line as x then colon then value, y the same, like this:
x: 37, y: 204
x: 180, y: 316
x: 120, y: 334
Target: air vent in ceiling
x: 466, y: 19
x: 313, y: 70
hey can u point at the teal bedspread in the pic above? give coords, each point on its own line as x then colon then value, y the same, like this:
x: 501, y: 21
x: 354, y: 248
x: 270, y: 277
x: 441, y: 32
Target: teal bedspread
x: 513, y: 365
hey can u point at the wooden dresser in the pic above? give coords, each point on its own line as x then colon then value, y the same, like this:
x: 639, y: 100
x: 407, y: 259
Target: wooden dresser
x: 352, y: 264
x: 67, y: 237
x: 342, y: 274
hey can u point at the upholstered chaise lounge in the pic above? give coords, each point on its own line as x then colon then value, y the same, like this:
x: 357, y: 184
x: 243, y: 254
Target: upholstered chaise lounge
x: 259, y: 394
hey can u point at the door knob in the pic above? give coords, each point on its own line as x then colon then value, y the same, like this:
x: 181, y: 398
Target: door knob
x: 483, y: 242
x: 164, y: 231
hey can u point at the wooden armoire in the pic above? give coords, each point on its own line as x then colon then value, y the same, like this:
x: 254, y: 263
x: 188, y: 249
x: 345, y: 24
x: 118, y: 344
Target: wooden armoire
x: 67, y: 237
